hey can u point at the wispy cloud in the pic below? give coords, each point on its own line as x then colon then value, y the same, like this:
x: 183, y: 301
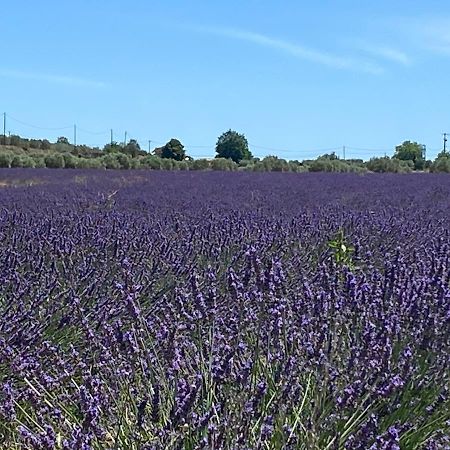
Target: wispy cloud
x: 50, y: 78
x: 386, y: 53
x: 436, y: 35
x: 429, y: 33
x: 297, y: 50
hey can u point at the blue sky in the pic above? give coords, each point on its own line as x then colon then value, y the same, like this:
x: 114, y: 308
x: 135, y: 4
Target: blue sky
x: 295, y: 77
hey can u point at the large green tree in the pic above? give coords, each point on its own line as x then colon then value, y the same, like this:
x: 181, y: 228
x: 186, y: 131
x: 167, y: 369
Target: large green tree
x: 132, y: 148
x: 411, y: 151
x: 174, y: 149
x: 232, y: 145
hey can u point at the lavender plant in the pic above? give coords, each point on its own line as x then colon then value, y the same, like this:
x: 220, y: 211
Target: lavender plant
x: 181, y: 310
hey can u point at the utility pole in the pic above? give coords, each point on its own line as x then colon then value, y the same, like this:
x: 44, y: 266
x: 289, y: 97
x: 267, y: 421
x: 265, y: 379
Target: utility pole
x: 111, y: 136
x: 125, y: 141
x: 343, y: 151
x: 149, y: 145
x: 4, y: 128
x: 445, y: 142
x: 74, y: 135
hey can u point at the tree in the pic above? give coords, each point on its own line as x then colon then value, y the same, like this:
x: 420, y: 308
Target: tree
x: 132, y: 148
x: 113, y: 147
x: 232, y: 145
x: 443, y: 154
x: 174, y: 149
x: 15, y: 140
x: 410, y: 151
x: 45, y: 144
x: 62, y: 140
x: 330, y: 156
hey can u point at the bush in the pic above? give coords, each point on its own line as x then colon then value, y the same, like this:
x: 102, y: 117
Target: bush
x: 70, y: 161
x: 387, y: 164
x: 22, y: 161
x: 296, y: 166
x: 110, y: 161
x: 123, y: 160
x: 5, y: 159
x: 272, y: 164
x: 15, y: 140
x: 166, y: 164
x: 90, y: 163
x: 182, y: 165
x: 199, y: 164
x: 322, y: 164
x: 223, y: 164
x: 62, y: 148
x: 54, y: 161
x: 441, y: 164
x: 150, y: 162
x: 38, y: 161
x: 45, y: 145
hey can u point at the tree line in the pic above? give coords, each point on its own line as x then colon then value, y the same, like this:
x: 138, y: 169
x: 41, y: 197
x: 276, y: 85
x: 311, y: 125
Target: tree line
x: 232, y: 153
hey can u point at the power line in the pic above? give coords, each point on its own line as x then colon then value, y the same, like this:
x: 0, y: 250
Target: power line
x: 344, y: 150
x: 380, y: 150
x: 36, y: 126
x: 295, y: 151
x: 96, y: 133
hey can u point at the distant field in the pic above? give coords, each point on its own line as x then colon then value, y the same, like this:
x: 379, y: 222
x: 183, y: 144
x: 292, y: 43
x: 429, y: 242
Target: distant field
x: 214, y: 310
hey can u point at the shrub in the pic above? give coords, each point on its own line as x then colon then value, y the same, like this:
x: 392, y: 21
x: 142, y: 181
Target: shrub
x: 182, y: 165
x: 150, y: 162
x: 90, y: 163
x: 54, y: 161
x: 123, y: 160
x: 5, y: 159
x: 166, y: 164
x: 296, y: 166
x: 45, y: 145
x: 223, y: 164
x: 441, y: 164
x: 199, y: 164
x: 110, y: 161
x: 272, y: 164
x: 22, y: 161
x: 38, y: 161
x: 387, y: 164
x: 70, y: 161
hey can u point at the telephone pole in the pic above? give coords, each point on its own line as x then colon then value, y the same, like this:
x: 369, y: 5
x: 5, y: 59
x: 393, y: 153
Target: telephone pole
x: 343, y: 151
x: 445, y: 142
x: 111, y: 136
x: 125, y: 141
x: 149, y: 145
x: 4, y: 128
x: 74, y: 135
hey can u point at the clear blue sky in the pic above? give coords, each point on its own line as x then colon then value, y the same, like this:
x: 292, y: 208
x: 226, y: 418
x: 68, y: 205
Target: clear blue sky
x: 293, y: 76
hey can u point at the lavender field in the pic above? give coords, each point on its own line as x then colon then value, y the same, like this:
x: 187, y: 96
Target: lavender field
x: 211, y: 310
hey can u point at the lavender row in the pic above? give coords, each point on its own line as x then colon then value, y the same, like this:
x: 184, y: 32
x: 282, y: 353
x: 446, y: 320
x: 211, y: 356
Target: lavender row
x: 224, y: 311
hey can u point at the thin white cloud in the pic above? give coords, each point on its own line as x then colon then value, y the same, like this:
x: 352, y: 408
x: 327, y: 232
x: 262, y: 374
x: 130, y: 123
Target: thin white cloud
x: 49, y: 78
x: 428, y: 33
x: 297, y: 50
x: 387, y: 53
